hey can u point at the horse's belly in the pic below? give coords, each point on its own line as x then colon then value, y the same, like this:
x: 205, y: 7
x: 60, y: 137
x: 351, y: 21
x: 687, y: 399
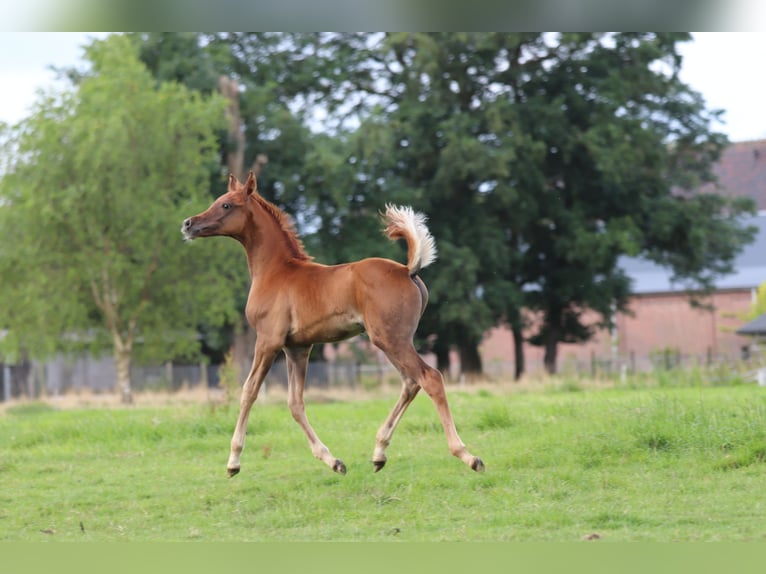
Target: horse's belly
x: 328, y: 330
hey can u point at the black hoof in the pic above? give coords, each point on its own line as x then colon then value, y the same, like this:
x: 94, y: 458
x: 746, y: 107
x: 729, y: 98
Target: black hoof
x: 477, y: 465
x: 378, y: 464
x: 232, y: 472
x: 339, y: 467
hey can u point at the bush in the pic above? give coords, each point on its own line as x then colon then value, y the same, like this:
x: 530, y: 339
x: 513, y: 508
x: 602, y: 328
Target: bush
x: 229, y: 377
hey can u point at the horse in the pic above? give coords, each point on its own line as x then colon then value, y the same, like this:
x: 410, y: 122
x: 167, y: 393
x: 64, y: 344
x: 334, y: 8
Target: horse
x: 295, y: 302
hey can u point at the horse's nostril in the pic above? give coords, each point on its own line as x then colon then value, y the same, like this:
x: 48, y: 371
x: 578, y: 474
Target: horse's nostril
x: 187, y: 223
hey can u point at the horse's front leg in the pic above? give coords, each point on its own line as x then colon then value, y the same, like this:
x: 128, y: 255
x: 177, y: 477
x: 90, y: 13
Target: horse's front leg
x: 262, y: 361
x: 297, y: 363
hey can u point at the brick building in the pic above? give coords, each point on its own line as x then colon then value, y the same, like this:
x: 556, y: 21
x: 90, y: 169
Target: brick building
x: 663, y: 325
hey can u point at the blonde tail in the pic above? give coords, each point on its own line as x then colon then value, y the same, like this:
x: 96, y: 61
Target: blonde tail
x: 405, y: 223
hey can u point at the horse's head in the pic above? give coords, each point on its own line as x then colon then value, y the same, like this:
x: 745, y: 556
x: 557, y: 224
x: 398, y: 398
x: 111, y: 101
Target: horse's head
x: 227, y: 215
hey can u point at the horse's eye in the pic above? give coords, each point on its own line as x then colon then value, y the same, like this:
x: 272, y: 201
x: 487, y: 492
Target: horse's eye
x: 226, y: 205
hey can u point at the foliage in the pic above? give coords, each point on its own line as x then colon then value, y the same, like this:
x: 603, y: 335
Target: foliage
x: 229, y: 378
x: 759, y: 305
x: 542, y: 161
x: 548, y: 157
x: 627, y: 464
x: 98, y: 180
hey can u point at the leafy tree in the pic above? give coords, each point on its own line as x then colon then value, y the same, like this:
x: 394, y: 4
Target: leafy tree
x: 97, y: 182
x: 623, y: 145
x: 547, y: 157
x: 311, y: 175
x: 183, y: 58
x: 541, y: 159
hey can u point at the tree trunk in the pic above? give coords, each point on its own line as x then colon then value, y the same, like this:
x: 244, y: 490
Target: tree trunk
x: 235, y: 155
x: 122, y: 358
x: 442, y: 359
x: 470, y: 361
x: 551, y: 350
x: 518, y: 352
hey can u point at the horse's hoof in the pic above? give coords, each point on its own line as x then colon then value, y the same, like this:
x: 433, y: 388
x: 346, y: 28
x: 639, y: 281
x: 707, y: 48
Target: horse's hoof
x: 339, y: 467
x: 378, y: 464
x: 477, y: 465
x: 232, y: 471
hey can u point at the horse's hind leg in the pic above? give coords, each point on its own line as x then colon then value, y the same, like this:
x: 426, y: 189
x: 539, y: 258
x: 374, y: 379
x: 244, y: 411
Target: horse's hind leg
x: 297, y: 363
x: 433, y: 384
x: 383, y: 438
x: 412, y: 367
x: 262, y: 361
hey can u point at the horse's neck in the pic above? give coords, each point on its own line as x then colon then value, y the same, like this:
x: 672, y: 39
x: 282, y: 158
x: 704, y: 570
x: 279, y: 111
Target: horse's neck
x: 265, y: 249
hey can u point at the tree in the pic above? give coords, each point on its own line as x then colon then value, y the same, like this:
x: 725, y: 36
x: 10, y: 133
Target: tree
x: 541, y: 159
x: 548, y: 157
x: 266, y: 80
x: 623, y: 146
x: 98, y: 180
x: 438, y: 159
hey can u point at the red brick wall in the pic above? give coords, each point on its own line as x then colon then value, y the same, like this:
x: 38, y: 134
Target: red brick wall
x: 659, y: 322
x: 667, y: 321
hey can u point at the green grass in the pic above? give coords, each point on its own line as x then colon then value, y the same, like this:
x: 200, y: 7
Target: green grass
x: 661, y: 463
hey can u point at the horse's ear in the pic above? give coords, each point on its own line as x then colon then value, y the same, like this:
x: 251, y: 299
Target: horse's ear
x: 251, y: 184
x: 232, y: 182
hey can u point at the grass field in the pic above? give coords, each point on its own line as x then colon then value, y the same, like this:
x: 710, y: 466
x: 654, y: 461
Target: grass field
x: 563, y: 464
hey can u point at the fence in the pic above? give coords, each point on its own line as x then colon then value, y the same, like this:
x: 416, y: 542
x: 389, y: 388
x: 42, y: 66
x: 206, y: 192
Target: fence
x: 66, y: 374
x: 16, y: 381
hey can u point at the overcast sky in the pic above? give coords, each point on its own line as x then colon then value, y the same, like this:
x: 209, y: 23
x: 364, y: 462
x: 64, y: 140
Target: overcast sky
x: 720, y: 65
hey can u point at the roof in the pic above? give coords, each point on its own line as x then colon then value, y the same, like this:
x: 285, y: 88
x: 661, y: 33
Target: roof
x: 755, y: 327
x: 741, y: 172
x: 749, y: 267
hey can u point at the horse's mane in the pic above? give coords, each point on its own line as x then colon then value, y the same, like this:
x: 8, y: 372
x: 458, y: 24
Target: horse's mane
x: 286, y: 224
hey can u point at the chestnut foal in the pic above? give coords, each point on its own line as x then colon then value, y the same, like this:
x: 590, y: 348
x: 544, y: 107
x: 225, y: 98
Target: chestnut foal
x: 295, y: 302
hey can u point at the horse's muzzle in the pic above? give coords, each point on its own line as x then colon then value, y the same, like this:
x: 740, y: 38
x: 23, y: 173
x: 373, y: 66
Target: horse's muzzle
x: 186, y: 229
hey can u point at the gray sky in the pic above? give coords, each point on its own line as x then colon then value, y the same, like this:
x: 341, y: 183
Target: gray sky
x: 722, y: 66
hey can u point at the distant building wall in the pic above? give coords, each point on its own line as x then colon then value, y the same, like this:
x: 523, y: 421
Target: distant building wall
x: 668, y: 322
x: 658, y: 324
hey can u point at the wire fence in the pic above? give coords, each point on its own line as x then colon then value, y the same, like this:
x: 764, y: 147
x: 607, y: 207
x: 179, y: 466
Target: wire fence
x: 98, y: 375
x: 85, y: 374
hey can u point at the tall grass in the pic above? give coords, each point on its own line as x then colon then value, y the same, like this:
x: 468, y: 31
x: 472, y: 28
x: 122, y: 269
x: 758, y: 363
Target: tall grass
x: 641, y: 463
